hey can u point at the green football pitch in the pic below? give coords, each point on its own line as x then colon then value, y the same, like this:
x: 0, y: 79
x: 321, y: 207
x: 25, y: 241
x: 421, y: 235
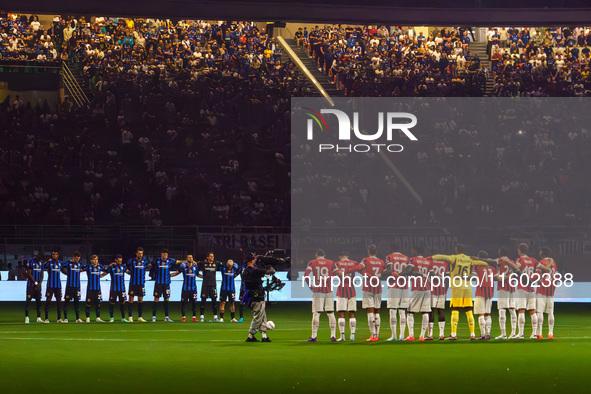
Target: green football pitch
x: 194, y: 357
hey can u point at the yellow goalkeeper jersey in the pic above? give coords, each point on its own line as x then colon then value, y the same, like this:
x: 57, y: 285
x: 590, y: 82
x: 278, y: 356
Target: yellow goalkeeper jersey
x: 459, y: 265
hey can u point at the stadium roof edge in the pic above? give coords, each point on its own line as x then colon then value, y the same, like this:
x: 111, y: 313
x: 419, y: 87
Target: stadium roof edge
x: 265, y: 10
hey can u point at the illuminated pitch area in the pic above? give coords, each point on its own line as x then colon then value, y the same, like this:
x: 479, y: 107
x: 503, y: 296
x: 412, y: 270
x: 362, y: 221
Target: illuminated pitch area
x: 169, y: 357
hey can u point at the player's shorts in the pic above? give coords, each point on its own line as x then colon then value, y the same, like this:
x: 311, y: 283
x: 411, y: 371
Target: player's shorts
x: 438, y: 301
x: 322, y: 302
x: 209, y: 292
x: 137, y: 290
x: 525, y: 300
x: 346, y: 304
x: 482, y: 306
x: 371, y: 300
x: 114, y: 295
x: 505, y: 299
x: 420, y: 301
x: 93, y: 296
x: 72, y: 293
x: 188, y: 295
x: 544, y: 304
x: 227, y: 295
x: 33, y: 292
x: 461, y: 297
x: 397, y: 298
x: 161, y: 289
x: 53, y: 291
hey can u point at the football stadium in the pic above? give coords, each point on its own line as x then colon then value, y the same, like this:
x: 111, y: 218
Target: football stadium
x: 194, y: 196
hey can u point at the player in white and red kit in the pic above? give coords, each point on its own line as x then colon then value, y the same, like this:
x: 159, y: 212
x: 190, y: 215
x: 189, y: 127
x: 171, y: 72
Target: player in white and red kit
x: 526, y: 298
x: 485, y: 292
x: 545, y: 293
x: 440, y: 270
x: 506, y: 293
x: 397, y: 290
x: 346, y: 295
x: 320, y: 283
x: 372, y: 290
x: 420, y: 293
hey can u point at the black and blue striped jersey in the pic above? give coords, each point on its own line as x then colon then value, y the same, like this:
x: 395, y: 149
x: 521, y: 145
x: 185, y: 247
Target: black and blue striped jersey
x: 36, y: 269
x: 94, y: 276
x: 73, y: 273
x: 54, y: 270
x: 189, y: 274
x: 163, y: 270
x: 228, y: 275
x: 117, y: 277
x: 137, y: 271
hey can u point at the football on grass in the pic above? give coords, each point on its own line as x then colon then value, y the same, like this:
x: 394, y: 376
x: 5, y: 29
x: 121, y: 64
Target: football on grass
x: 270, y: 325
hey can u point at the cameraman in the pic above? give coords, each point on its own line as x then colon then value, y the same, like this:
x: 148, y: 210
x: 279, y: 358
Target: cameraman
x: 254, y: 297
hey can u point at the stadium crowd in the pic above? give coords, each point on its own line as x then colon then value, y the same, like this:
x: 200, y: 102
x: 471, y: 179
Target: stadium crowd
x: 178, y: 111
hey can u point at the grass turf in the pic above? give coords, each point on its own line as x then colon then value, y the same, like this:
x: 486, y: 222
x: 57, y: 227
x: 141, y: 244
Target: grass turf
x: 176, y: 357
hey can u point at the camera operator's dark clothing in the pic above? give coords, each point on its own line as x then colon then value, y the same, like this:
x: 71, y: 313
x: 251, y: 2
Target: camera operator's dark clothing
x: 253, y: 283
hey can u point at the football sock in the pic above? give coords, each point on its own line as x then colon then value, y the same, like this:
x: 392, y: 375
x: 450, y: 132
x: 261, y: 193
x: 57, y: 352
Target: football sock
x: 393, y: 322
x: 215, y: 307
x: 424, y: 324
x: 122, y: 306
x: 47, y: 310
x: 342, y: 326
x: 353, y: 325
x: 130, y: 309
x: 241, y: 311
x: 540, y: 322
x: 521, y: 323
x: 441, y: 328
x: 402, y: 315
x: 184, y: 308
x: 410, y: 322
x: 481, y: 324
x: 202, y: 308
x: 513, y: 314
x: 371, y: 323
x: 534, y: 323
x: 166, y: 308
x: 455, y: 317
x: 98, y: 310
x: 76, y: 308
x: 551, y: 323
x: 222, y: 315
x: 87, y: 310
x: 315, y: 324
x: 66, y: 309
x: 503, y: 321
x: 140, y: 309
x: 154, y: 308
x: 232, y: 315
x: 27, y: 306
x: 377, y: 322
x: 38, y: 305
x: 430, y: 329
x: 264, y: 334
x: 470, y: 317
x: 488, y: 325
x: 111, y: 309
x: 332, y: 322
x: 194, y: 307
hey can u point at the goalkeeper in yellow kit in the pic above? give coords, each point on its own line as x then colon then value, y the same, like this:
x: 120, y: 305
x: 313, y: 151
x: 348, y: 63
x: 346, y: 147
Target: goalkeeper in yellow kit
x: 460, y: 265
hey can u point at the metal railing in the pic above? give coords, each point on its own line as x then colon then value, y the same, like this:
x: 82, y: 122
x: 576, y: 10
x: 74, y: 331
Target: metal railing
x: 73, y: 86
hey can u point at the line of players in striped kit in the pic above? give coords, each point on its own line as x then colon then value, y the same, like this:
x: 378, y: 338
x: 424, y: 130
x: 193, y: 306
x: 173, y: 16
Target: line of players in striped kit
x: 428, y: 293
x: 136, y: 270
